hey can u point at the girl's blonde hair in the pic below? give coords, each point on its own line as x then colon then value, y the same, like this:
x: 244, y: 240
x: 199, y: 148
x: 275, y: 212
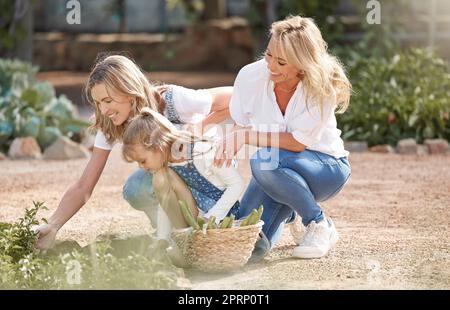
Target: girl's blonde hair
x: 124, y: 76
x: 154, y: 132
x: 324, y: 77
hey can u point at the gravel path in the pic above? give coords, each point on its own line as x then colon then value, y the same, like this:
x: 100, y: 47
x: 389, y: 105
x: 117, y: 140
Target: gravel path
x: 393, y: 218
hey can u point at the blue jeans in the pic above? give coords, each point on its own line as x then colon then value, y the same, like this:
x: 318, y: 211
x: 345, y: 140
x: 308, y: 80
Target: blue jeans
x: 295, y: 183
x: 138, y: 192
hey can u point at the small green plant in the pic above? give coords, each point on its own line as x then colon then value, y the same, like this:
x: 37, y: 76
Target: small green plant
x: 30, y: 108
x: 404, y: 96
x: 92, y: 267
x: 17, y: 240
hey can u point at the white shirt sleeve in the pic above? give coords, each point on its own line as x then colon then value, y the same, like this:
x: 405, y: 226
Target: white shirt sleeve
x: 191, y: 103
x: 164, y: 227
x: 310, y: 124
x: 236, y: 107
x: 234, y: 186
x: 101, y: 142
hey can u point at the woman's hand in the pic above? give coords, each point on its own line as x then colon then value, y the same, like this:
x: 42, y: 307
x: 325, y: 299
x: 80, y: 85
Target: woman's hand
x: 195, y: 129
x: 46, y: 236
x: 228, y: 147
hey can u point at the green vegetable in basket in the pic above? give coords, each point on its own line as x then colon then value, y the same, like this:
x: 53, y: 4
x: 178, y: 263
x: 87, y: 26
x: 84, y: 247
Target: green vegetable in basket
x: 260, y: 212
x: 201, y: 221
x: 249, y: 220
x: 245, y: 221
x: 253, y: 218
x: 188, y: 215
x: 225, y: 222
x: 212, y: 223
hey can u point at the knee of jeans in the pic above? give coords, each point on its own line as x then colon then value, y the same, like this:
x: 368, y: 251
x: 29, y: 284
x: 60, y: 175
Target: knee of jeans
x: 340, y: 187
x: 138, y: 191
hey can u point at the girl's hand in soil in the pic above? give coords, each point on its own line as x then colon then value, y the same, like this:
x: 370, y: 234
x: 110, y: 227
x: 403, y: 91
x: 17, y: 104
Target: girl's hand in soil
x: 46, y: 236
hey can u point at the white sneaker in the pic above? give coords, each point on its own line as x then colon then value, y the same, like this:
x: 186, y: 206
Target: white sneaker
x: 297, y: 229
x: 318, y: 240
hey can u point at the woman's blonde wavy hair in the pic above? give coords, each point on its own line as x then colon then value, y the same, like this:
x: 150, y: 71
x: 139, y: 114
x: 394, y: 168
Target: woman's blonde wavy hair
x: 324, y: 77
x: 124, y: 76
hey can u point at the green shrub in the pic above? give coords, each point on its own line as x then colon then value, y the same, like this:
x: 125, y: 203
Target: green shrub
x: 17, y: 240
x: 406, y: 96
x: 21, y: 267
x: 30, y: 108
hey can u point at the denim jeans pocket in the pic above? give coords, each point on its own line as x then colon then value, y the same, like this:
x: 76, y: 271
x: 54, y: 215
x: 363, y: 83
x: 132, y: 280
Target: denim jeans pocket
x: 326, y: 159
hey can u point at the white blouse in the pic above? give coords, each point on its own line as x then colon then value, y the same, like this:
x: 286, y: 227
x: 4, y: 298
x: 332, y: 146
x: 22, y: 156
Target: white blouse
x: 254, y: 105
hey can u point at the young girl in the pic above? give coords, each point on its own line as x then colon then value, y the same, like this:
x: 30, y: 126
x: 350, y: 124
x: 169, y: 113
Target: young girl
x: 183, y: 169
x: 118, y: 89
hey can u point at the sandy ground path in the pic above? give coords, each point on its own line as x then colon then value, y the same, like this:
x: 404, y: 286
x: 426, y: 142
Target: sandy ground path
x: 393, y: 218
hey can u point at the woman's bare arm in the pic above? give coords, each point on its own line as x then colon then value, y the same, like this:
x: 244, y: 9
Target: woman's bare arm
x: 80, y: 192
x: 74, y: 198
x: 221, y: 97
x: 219, y: 108
x: 232, y: 143
x: 281, y: 140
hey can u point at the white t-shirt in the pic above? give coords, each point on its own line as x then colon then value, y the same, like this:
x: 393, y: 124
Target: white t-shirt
x: 227, y: 179
x: 191, y: 105
x: 254, y: 104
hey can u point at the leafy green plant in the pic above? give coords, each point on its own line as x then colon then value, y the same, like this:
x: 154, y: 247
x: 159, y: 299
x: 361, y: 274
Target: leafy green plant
x: 95, y: 266
x: 17, y: 240
x: 30, y: 108
x: 404, y: 96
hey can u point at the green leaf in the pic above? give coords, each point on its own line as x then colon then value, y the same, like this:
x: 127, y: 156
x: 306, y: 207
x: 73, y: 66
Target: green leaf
x: 30, y: 127
x: 6, y: 130
x: 48, y: 135
x: 413, y: 120
x: 30, y: 96
x: 46, y: 92
x: 428, y: 132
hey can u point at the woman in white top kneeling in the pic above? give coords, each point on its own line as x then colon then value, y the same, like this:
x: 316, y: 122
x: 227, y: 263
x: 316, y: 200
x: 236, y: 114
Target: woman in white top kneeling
x: 285, y: 103
x: 118, y: 90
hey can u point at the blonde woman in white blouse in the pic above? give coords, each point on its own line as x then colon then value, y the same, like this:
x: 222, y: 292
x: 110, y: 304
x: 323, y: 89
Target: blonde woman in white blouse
x: 118, y: 89
x: 285, y: 104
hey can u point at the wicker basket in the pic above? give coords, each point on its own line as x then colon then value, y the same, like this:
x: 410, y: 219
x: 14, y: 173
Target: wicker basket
x: 217, y: 250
